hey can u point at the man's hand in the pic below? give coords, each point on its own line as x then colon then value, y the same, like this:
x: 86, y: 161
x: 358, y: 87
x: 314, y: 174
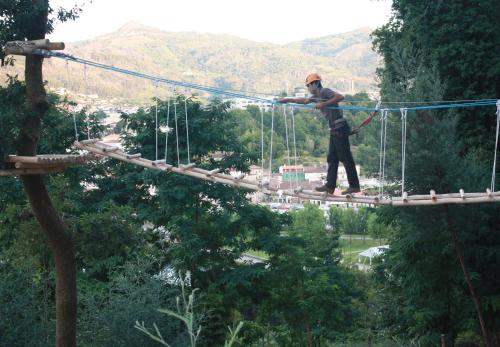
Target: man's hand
x: 320, y: 105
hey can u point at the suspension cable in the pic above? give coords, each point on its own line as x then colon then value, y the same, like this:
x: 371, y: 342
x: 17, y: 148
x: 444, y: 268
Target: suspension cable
x: 404, y: 113
x: 493, y: 174
x: 385, y: 151
x: 187, y: 129
x: 262, y: 140
x: 156, y: 121
x: 73, y: 113
x: 87, y: 94
x: 286, y: 135
x: 271, y: 146
x: 213, y: 90
x: 168, y: 128
x: 295, y: 150
x: 383, y: 137
x: 176, y: 130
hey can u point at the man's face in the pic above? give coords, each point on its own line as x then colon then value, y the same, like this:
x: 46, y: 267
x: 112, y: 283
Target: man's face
x: 312, y: 88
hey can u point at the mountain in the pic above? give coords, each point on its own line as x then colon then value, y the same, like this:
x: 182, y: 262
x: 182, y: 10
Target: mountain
x: 352, y: 50
x: 218, y: 60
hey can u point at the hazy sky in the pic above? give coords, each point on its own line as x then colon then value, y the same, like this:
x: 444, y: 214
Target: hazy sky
x: 276, y: 21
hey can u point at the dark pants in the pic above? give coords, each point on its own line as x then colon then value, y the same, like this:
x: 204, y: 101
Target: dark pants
x: 340, y: 151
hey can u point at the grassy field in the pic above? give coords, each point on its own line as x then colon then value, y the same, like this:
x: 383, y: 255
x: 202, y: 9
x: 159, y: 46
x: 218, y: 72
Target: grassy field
x: 352, y: 247
x: 349, y: 248
x: 259, y: 254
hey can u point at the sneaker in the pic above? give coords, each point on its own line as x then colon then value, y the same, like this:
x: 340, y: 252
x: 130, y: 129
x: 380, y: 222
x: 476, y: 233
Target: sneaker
x: 325, y: 188
x: 351, y: 190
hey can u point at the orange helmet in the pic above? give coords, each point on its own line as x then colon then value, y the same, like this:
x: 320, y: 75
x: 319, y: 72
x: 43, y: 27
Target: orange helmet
x: 312, y: 77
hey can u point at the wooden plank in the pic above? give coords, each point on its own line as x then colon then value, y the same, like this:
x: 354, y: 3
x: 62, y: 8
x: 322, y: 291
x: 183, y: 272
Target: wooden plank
x: 22, y: 159
x: 212, y: 172
x: 133, y: 156
x: 185, y: 167
x: 111, y: 149
x: 89, y: 141
x: 37, y: 166
x: 47, y: 159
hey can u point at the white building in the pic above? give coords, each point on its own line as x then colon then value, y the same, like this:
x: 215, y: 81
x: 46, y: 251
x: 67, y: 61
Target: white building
x: 315, y: 173
x: 300, y: 92
x: 242, y: 104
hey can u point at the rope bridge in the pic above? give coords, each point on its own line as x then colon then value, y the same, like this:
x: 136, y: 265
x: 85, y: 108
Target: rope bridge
x: 101, y: 149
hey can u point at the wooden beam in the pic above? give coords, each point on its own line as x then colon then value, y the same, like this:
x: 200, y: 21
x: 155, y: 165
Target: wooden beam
x: 36, y: 166
x: 45, y: 160
x: 30, y: 47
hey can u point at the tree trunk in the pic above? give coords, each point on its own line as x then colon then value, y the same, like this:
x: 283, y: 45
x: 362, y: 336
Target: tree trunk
x: 57, y: 233
x: 465, y: 270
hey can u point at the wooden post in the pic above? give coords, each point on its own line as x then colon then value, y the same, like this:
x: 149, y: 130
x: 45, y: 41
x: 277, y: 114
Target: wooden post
x: 58, y: 235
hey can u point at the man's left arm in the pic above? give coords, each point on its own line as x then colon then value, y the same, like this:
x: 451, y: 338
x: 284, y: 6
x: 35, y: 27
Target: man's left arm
x: 337, y: 97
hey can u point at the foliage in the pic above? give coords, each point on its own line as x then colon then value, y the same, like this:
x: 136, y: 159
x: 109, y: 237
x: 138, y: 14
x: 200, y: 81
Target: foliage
x: 133, y: 292
x: 26, y: 311
x: 311, y: 294
x: 459, y: 40
x: 185, y: 313
x: 428, y: 56
x: 349, y: 220
x: 15, y: 18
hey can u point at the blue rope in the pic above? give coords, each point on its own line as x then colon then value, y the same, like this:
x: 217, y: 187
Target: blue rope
x: 218, y: 91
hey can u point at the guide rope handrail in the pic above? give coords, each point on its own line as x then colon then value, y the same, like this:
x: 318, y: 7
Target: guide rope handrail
x: 225, y: 92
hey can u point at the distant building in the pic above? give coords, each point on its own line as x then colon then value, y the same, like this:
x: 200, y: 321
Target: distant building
x: 242, y: 104
x: 292, y: 173
x: 255, y: 170
x: 342, y: 174
x: 299, y: 92
x: 315, y: 173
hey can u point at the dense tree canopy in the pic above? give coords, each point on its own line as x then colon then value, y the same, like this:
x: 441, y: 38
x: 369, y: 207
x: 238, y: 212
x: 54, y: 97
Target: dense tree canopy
x: 443, y: 51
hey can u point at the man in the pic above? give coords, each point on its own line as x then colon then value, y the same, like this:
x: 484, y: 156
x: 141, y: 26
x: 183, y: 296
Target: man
x: 339, y: 148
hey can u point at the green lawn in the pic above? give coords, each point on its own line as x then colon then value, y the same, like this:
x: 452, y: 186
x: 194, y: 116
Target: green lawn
x: 351, y: 248
x: 259, y: 254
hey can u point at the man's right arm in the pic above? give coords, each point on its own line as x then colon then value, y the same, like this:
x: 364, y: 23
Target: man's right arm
x: 294, y: 100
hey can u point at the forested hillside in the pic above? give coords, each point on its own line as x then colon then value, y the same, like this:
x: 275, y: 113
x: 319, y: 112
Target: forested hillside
x: 218, y: 60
